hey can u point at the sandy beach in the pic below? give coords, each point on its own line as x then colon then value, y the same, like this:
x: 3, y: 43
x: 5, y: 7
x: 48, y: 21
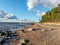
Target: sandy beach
x: 41, y: 34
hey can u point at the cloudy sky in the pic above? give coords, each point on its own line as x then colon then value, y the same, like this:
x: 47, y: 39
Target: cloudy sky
x: 25, y: 9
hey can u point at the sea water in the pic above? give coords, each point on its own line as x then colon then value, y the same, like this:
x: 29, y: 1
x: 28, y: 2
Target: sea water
x: 12, y: 26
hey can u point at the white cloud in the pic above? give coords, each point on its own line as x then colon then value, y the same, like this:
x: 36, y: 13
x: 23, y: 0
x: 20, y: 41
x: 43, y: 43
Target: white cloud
x: 10, y: 16
x: 31, y: 3
x: 45, y: 3
x: 4, y: 15
x: 38, y: 13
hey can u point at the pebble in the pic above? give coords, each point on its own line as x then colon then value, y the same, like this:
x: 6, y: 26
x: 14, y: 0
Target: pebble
x: 44, y: 43
x: 19, y: 44
x: 42, y: 30
x: 20, y: 31
x: 51, y: 29
x: 54, y: 36
x: 30, y: 29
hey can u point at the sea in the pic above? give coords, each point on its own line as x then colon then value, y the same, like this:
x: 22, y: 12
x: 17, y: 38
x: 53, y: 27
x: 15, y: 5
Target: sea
x: 12, y: 26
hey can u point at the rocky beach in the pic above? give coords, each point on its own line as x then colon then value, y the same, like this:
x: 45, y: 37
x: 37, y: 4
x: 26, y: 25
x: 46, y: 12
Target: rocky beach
x: 39, y: 34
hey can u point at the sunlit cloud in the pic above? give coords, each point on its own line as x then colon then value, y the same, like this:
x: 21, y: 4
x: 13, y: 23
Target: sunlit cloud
x: 45, y: 3
x: 4, y: 15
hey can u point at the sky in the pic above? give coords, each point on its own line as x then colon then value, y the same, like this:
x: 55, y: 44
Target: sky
x: 26, y: 9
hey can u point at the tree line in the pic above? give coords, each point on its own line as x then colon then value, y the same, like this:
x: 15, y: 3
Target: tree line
x: 52, y: 15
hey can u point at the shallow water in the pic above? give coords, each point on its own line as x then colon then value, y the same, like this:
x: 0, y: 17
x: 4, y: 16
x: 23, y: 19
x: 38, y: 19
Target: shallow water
x: 12, y: 26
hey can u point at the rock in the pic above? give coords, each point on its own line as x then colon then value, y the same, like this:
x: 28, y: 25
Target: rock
x: 0, y: 39
x: 27, y: 41
x: 23, y: 42
x: 7, y: 37
x: 30, y: 29
x: 51, y: 29
x: 3, y: 33
x: 36, y: 29
x: 19, y: 44
x: 33, y: 29
x: 42, y: 30
x: 54, y: 36
x: 20, y: 31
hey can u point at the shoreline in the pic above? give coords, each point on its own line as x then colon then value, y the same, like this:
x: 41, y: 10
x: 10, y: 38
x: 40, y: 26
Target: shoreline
x: 38, y: 34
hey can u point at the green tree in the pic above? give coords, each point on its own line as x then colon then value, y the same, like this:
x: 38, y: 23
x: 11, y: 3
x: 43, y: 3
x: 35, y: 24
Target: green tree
x: 52, y: 15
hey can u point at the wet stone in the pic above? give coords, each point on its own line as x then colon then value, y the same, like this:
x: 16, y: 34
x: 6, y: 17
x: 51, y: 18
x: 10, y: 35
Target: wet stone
x: 7, y: 37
